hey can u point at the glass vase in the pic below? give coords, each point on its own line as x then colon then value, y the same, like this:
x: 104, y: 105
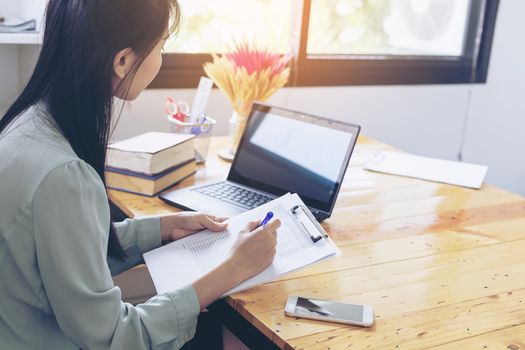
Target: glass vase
x: 237, y: 124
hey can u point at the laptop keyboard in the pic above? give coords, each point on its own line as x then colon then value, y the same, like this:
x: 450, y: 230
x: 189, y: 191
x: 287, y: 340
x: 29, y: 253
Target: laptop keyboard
x: 230, y: 193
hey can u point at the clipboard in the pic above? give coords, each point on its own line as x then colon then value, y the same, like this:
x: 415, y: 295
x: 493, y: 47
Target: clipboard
x: 320, y: 232
x: 184, y: 261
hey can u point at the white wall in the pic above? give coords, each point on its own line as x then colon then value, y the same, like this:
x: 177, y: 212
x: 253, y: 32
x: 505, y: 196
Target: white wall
x: 496, y: 129
x: 390, y: 114
x: 426, y: 120
x: 8, y: 61
x: 8, y: 75
x: 17, y: 61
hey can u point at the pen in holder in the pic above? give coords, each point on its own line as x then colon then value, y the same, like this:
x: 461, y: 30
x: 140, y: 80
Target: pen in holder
x: 201, y: 127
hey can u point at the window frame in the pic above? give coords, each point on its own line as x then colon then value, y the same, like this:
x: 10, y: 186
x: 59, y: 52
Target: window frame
x: 184, y: 70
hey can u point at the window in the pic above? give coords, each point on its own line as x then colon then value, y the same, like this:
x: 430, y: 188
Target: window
x: 385, y: 27
x: 341, y: 42
x: 208, y: 26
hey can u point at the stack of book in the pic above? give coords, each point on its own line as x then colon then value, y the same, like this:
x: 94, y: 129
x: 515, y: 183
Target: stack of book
x: 150, y: 163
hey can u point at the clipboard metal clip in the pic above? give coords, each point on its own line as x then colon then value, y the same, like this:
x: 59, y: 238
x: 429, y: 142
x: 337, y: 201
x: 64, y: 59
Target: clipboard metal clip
x: 315, y: 238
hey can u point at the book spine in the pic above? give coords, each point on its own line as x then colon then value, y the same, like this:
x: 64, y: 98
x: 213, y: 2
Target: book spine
x: 129, y: 191
x: 148, y: 176
x: 148, y: 194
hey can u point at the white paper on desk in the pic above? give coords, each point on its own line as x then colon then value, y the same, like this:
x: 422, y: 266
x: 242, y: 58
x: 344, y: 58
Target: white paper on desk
x: 445, y: 171
x: 182, y: 262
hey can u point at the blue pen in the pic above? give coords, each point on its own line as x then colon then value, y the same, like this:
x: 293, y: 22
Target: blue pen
x: 266, y: 219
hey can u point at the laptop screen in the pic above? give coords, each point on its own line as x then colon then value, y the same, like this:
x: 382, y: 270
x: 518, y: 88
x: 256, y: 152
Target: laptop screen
x: 283, y: 151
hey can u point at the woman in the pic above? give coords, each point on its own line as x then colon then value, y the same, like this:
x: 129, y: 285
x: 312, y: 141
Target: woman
x: 55, y: 229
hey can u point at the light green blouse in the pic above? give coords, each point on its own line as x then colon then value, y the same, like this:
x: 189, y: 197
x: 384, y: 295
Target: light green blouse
x: 56, y: 290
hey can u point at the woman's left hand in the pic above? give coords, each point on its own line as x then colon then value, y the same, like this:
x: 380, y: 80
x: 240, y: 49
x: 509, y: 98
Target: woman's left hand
x: 177, y: 226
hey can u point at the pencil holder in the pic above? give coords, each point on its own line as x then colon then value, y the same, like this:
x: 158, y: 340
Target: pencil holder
x: 202, y: 128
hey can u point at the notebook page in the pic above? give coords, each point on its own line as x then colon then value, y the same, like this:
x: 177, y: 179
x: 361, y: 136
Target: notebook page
x: 212, y: 248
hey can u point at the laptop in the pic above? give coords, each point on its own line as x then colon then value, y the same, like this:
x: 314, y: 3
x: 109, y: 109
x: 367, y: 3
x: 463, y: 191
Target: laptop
x: 280, y: 151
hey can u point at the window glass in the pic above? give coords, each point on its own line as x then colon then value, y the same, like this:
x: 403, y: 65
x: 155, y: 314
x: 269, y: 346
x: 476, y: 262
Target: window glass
x: 211, y: 26
x: 388, y: 27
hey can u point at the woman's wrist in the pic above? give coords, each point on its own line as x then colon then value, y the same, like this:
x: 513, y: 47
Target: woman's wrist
x: 219, y: 281
x: 166, y: 228
x: 236, y: 273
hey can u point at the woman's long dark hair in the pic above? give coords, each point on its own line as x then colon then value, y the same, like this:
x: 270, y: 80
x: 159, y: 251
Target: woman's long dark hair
x: 74, y: 73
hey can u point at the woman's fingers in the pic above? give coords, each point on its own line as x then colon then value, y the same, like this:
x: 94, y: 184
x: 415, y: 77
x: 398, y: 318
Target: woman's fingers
x: 252, y: 225
x: 213, y: 225
x: 218, y: 219
x: 273, y: 225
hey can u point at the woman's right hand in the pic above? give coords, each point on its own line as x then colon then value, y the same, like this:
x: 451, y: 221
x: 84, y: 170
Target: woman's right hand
x: 254, y: 249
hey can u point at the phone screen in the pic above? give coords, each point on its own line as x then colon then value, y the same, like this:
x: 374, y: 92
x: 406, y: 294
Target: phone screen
x: 329, y: 309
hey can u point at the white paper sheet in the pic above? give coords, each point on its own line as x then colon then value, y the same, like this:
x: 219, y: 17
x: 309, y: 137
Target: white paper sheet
x: 445, y: 171
x: 185, y: 261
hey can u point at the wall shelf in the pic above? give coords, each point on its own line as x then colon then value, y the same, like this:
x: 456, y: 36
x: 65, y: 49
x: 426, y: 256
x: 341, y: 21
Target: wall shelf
x: 32, y: 38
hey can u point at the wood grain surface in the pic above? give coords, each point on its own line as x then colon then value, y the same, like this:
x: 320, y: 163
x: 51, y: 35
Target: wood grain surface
x: 442, y: 266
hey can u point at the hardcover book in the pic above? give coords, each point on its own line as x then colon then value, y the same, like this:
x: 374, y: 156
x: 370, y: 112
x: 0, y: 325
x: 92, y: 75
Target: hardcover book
x: 145, y: 184
x: 151, y: 153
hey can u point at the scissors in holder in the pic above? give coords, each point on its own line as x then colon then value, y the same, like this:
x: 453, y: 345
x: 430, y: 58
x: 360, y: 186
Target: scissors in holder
x: 177, y: 109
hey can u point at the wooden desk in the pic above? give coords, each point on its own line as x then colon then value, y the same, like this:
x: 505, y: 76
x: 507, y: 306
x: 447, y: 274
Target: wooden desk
x: 442, y: 266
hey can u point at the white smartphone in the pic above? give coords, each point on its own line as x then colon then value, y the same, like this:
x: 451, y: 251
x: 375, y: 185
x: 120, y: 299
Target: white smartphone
x: 332, y: 311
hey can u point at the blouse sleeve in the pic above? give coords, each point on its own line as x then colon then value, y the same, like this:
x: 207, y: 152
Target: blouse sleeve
x: 141, y: 232
x: 137, y: 236
x: 71, y: 220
